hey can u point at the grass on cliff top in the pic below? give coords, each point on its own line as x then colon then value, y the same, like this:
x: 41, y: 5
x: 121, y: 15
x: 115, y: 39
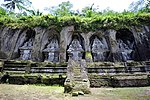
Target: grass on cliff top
x: 33, y: 92
x: 81, y: 23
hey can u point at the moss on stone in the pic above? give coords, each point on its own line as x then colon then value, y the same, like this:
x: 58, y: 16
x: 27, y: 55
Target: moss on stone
x: 1, y: 63
x: 89, y: 55
x: 100, y: 64
x: 133, y: 63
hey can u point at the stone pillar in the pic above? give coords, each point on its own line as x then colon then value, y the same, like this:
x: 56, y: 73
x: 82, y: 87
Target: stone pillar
x: 65, y: 38
x: 9, y: 38
x: 141, y: 42
x: 36, y: 54
x: 113, y: 56
x: 88, y: 55
x: 77, y: 78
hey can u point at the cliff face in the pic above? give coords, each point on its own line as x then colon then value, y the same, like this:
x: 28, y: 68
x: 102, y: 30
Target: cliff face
x: 142, y: 37
x: 103, y: 45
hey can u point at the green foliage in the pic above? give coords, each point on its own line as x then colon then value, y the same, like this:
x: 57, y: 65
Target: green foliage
x: 62, y: 9
x: 88, y: 20
x: 35, y: 12
x: 2, y: 12
x: 17, y: 8
x: 89, y: 55
x: 89, y: 11
x: 106, y: 20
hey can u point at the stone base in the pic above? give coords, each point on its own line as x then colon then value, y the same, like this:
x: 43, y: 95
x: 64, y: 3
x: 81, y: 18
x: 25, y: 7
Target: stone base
x: 76, y: 86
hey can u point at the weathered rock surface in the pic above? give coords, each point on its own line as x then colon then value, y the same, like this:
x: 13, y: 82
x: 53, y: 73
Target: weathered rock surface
x: 12, y: 39
x: 77, y: 79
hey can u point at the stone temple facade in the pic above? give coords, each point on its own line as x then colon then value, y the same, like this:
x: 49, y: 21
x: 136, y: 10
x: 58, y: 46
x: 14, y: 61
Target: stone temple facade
x: 44, y: 44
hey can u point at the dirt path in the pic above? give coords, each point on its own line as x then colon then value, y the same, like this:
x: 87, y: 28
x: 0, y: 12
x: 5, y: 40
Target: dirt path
x: 32, y: 92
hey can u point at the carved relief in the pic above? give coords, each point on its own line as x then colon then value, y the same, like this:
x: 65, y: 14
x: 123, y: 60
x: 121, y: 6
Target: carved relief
x: 99, y: 49
x: 51, y: 51
x: 25, y: 50
x: 75, y: 50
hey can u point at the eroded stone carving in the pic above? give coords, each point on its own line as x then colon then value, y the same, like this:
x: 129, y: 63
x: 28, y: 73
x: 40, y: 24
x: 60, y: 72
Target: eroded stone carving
x: 99, y: 50
x: 25, y: 50
x: 77, y: 78
x: 125, y: 49
x: 51, y: 52
x: 75, y: 50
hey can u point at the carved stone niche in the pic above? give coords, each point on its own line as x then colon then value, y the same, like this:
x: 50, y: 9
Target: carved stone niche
x: 25, y: 50
x: 126, y: 44
x: 51, y: 51
x: 75, y: 50
x: 99, y: 48
x: 25, y: 44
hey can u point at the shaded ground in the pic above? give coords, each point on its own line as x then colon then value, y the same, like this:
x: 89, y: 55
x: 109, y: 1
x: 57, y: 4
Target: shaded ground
x: 32, y: 92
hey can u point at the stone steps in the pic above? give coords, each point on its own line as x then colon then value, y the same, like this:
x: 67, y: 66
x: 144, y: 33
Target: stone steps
x: 124, y: 80
x: 117, y: 70
x: 18, y: 66
x: 15, y: 72
x: 14, y: 67
x: 147, y: 62
x: 77, y: 78
x: 48, y: 70
x: 77, y: 72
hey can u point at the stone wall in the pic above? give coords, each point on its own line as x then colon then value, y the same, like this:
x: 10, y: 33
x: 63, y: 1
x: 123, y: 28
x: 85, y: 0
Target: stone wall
x: 34, y: 80
x: 127, y: 80
x: 137, y: 38
x: 119, y: 74
x: 100, y: 74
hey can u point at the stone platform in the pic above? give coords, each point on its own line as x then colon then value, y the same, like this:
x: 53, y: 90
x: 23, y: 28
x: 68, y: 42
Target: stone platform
x: 100, y: 74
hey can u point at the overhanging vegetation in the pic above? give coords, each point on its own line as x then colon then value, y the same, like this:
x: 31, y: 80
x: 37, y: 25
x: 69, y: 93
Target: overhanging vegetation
x: 89, y: 19
x: 81, y: 23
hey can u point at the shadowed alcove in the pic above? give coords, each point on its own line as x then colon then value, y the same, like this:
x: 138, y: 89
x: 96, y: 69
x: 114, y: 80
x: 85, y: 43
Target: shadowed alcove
x: 51, y: 50
x: 99, y: 48
x: 126, y: 44
x: 26, y: 45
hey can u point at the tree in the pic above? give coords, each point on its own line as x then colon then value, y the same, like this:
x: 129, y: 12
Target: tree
x: 20, y: 5
x: 108, y: 11
x: 89, y: 11
x: 2, y: 12
x: 63, y: 9
x: 23, y: 6
x: 35, y: 12
x: 139, y: 5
